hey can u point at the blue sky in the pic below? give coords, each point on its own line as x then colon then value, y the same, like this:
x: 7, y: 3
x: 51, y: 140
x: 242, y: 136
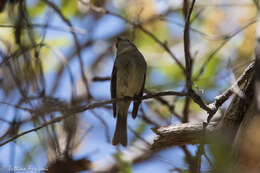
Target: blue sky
x: 95, y: 145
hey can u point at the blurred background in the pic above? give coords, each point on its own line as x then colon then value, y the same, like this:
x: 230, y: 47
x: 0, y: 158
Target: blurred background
x: 58, y: 55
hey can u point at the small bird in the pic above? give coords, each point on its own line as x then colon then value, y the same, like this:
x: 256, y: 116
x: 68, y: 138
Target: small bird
x: 128, y: 79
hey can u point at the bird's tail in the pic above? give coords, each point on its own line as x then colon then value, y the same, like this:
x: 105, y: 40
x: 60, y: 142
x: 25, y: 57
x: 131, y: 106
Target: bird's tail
x: 120, y: 135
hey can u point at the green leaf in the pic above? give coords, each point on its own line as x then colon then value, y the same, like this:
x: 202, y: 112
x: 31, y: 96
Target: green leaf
x: 37, y: 9
x: 141, y: 127
x: 144, y: 41
x: 173, y: 73
x: 69, y: 7
x: 124, y: 166
x: 207, y: 79
x: 58, y: 42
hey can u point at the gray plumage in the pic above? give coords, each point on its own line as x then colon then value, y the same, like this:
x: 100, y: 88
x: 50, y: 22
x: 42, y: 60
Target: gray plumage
x: 128, y: 79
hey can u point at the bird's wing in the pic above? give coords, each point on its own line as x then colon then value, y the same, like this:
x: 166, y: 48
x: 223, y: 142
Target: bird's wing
x: 137, y: 103
x: 113, y: 89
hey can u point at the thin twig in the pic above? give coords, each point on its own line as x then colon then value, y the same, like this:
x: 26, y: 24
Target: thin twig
x: 136, y: 25
x: 50, y: 27
x: 226, y: 40
x: 31, y: 130
x: 100, y: 79
x: 71, y: 111
x: 77, y: 44
x: 103, y: 122
x: 220, y: 99
x: 188, y: 59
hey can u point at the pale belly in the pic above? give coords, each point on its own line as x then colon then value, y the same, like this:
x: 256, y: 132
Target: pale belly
x: 129, y: 81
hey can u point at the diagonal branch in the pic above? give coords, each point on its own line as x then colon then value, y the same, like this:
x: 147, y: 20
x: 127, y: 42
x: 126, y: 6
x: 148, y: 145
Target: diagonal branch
x: 190, y: 133
x: 182, y: 134
x: 77, y: 44
x: 226, y: 40
x: 136, y: 25
x: 219, y: 100
x: 78, y: 109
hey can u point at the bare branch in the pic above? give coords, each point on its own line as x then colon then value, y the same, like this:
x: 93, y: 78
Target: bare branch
x: 78, y: 109
x: 100, y: 79
x: 77, y: 44
x: 188, y: 59
x: 226, y: 40
x: 182, y: 134
x: 50, y: 27
x: 225, y: 95
x: 139, y: 26
x: 190, y: 133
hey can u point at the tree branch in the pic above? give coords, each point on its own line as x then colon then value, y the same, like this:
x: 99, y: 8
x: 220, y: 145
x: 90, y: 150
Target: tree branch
x: 188, y: 59
x: 76, y: 41
x: 181, y: 134
x: 139, y: 26
x: 190, y: 133
x: 219, y: 100
x: 78, y: 109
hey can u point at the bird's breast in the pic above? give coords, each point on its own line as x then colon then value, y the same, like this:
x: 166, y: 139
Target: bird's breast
x: 130, y: 76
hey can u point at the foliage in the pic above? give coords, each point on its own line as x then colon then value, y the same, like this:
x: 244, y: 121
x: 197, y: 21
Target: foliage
x: 51, y: 53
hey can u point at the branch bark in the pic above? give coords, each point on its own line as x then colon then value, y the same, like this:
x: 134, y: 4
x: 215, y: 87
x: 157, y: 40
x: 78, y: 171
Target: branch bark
x: 190, y: 133
x: 182, y: 134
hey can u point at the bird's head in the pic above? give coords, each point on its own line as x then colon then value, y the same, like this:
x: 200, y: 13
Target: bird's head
x: 123, y: 44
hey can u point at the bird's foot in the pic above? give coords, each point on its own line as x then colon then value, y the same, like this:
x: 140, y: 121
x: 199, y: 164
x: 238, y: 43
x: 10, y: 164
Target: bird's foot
x: 136, y: 98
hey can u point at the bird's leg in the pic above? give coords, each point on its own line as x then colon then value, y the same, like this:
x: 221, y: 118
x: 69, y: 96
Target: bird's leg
x: 137, y: 98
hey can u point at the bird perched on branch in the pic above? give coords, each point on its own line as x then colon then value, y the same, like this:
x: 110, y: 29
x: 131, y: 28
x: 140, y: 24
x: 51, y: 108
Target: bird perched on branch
x: 128, y: 79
